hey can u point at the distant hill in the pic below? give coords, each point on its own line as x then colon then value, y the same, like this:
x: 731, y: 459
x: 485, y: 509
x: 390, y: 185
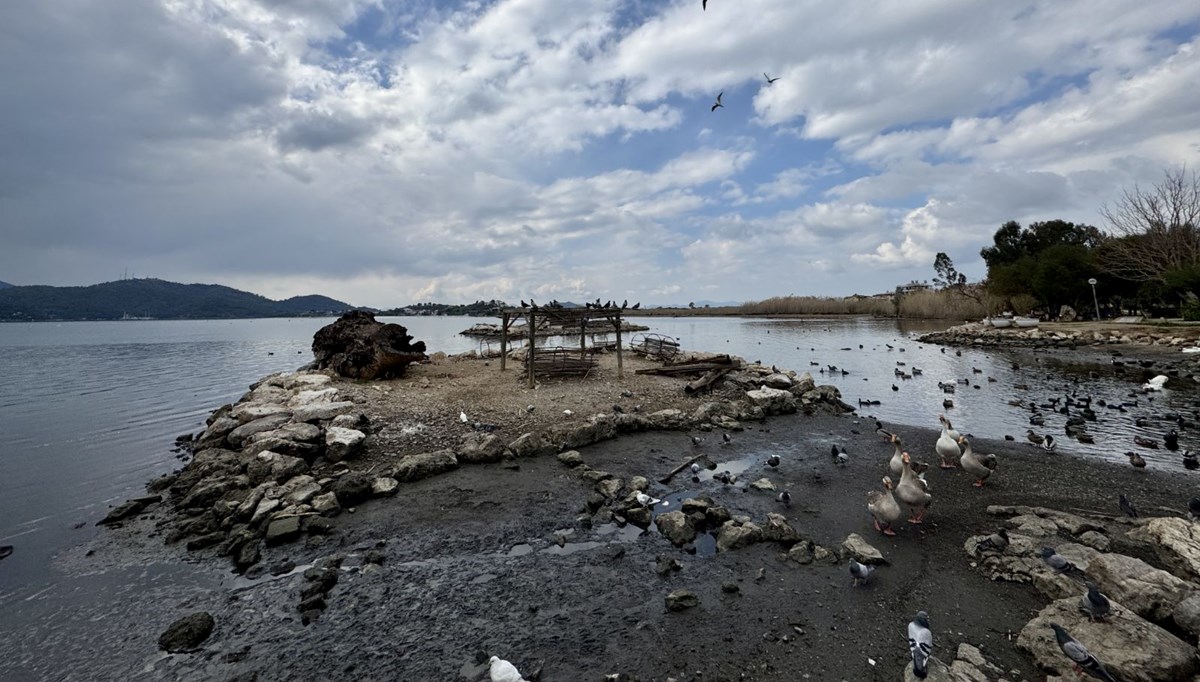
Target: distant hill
x: 476, y: 309
x: 4, y: 285
x: 154, y: 298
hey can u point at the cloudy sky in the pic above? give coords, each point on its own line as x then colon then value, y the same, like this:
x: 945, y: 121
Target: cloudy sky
x: 391, y: 151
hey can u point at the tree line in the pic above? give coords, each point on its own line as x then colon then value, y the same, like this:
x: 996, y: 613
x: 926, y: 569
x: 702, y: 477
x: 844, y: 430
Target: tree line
x: 1146, y: 261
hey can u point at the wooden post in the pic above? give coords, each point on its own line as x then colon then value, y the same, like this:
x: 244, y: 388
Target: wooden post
x: 582, y: 336
x: 529, y: 356
x: 503, y: 339
x: 620, y: 363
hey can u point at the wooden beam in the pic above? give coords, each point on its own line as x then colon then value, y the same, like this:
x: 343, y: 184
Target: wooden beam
x: 620, y: 359
x: 503, y: 341
x: 532, y: 339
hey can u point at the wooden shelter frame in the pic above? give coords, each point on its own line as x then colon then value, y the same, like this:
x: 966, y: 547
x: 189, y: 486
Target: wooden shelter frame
x: 567, y: 318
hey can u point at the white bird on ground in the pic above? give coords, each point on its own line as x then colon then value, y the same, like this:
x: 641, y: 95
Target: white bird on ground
x: 500, y: 670
x: 695, y: 469
x: 462, y: 417
x: 1155, y: 384
x: 946, y: 446
x: 645, y: 500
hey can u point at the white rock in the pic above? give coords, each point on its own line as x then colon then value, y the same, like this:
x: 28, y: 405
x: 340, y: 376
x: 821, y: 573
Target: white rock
x: 342, y: 443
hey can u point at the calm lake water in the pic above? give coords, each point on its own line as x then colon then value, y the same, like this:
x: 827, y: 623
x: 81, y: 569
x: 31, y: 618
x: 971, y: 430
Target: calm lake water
x: 89, y: 410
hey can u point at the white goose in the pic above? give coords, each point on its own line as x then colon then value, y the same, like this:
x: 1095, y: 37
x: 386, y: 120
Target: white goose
x: 946, y: 446
x: 883, y: 507
x: 914, y: 492
x: 896, y: 463
x: 979, y: 466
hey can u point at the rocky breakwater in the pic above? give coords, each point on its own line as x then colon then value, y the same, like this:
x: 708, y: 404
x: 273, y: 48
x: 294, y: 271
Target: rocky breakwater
x: 285, y: 460
x: 1058, y: 336
x: 1151, y: 630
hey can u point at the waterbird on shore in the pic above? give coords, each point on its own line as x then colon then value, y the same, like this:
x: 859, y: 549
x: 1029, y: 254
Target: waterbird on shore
x: 979, y: 466
x: 1034, y: 438
x: 718, y: 104
x: 860, y: 572
x: 896, y: 463
x: 500, y: 670
x: 1094, y: 603
x: 946, y: 447
x: 645, y: 500
x: 773, y: 460
x: 1082, y: 660
x: 842, y: 458
x: 786, y: 498
x: 1048, y: 443
x: 884, y: 509
x: 1155, y: 384
x: 695, y: 469
x: 1126, y: 506
x: 726, y: 438
x: 996, y: 542
x: 1136, y: 460
x: 920, y: 643
x: 913, y: 491
x: 696, y: 441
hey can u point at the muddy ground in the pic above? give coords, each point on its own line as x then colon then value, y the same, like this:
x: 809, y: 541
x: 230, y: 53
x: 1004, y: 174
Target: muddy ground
x: 472, y: 568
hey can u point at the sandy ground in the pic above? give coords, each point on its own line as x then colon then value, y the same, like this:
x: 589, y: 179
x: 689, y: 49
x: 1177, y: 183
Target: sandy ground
x: 473, y: 564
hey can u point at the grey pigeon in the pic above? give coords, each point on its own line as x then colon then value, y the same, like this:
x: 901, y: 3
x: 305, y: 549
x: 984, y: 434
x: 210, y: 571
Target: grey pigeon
x: 1056, y: 561
x: 996, y: 542
x: 1126, y: 506
x: 1082, y: 659
x: 842, y: 458
x: 920, y: 643
x: 1094, y: 604
x: 696, y: 441
x: 695, y: 469
x: 726, y: 438
x: 861, y: 572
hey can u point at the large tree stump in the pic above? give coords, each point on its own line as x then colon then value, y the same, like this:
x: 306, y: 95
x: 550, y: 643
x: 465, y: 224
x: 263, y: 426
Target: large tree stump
x: 358, y: 347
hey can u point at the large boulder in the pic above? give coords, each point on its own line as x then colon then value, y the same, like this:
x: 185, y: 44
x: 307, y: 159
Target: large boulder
x: 676, y: 527
x: 481, y: 447
x: 353, y: 488
x: 1174, y: 543
x: 424, y: 465
x: 241, y: 434
x: 735, y: 533
x: 1150, y: 592
x: 1133, y: 649
x: 773, y: 400
x: 187, y: 633
x: 341, y: 443
x: 358, y: 347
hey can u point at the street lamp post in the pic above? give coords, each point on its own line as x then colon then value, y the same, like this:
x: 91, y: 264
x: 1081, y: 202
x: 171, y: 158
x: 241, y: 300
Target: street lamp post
x: 1092, y: 281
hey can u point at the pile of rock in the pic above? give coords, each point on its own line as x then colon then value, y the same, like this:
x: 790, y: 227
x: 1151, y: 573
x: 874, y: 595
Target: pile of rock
x: 1149, y: 604
x: 268, y: 469
x: 979, y: 334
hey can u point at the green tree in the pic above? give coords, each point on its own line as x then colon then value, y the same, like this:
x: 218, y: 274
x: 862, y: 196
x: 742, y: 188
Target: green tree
x: 947, y: 276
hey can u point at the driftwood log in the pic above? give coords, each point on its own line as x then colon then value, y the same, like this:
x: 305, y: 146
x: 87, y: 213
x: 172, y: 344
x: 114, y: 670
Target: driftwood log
x: 706, y: 382
x: 358, y: 347
x: 671, y: 474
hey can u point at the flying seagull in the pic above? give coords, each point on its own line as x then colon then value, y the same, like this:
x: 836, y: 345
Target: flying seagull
x: 718, y: 102
x: 703, y: 5
x: 769, y: 79
x: 920, y: 643
x: 1082, y: 659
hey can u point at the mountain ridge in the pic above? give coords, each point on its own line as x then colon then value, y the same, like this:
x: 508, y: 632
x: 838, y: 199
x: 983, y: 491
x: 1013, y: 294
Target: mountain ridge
x: 156, y: 299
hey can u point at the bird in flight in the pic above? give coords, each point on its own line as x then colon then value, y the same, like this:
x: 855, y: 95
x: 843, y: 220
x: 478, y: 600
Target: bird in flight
x: 703, y: 5
x: 769, y: 79
x: 718, y: 102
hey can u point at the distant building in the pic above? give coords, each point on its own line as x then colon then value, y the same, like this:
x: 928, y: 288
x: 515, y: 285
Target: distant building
x: 913, y: 287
